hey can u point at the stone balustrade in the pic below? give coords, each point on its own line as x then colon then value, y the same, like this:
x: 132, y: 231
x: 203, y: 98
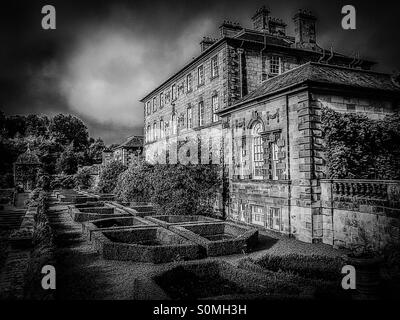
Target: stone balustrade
x: 388, y: 190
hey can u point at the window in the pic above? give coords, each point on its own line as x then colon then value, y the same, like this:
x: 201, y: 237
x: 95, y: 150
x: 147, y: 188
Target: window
x: 214, y: 67
x: 155, y: 131
x: 154, y: 104
x: 173, y: 124
x: 214, y: 106
x: 189, y: 82
x: 275, y: 65
x: 181, y: 88
x: 148, y: 133
x: 162, y: 128
x: 173, y: 89
x: 258, y: 157
x: 161, y: 100
x: 189, y: 117
x: 148, y: 107
x: 257, y: 215
x: 274, y: 161
x: 201, y: 113
x: 200, y: 75
x: 275, y: 218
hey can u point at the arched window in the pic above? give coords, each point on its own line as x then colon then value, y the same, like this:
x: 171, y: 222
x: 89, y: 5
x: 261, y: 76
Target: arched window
x: 258, y: 152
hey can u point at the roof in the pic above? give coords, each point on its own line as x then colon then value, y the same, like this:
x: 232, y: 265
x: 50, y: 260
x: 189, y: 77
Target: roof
x: 323, y: 74
x: 255, y: 37
x: 132, y: 142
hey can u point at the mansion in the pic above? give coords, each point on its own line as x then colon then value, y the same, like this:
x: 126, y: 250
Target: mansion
x: 251, y: 102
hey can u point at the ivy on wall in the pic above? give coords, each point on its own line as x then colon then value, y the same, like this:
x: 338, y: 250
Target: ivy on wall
x: 361, y: 148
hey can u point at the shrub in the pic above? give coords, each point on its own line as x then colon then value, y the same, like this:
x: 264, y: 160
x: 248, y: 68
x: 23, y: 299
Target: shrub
x: 68, y: 161
x: 44, y: 182
x: 83, y: 178
x: 109, y: 176
x: 176, y: 189
x: 309, y: 266
x: 63, y: 182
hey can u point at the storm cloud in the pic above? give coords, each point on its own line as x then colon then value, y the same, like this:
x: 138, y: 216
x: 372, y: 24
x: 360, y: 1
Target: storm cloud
x: 104, y: 56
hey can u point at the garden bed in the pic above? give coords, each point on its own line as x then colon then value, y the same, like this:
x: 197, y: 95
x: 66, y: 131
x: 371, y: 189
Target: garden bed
x: 220, y: 280
x: 148, y: 244
x: 218, y: 239
x: 169, y: 220
x: 94, y: 213
x: 113, y: 223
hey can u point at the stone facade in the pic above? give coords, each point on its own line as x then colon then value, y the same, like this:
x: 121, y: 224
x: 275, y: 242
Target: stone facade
x: 266, y: 131
x: 289, y: 199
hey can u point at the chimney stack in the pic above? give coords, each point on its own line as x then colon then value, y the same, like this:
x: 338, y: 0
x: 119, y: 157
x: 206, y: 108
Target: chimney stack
x: 305, y: 36
x: 206, y: 43
x: 229, y: 29
x: 260, y: 19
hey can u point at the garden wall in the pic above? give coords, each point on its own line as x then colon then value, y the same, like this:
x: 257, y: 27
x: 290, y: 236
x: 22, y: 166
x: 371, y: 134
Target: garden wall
x: 356, y: 212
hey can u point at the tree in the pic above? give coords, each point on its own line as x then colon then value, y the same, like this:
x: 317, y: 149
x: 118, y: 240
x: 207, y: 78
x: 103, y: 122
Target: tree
x: 49, y: 152
x: 95, y: 152
x: 68, y: 161
x: 109, y: 176
x: 67, y: 129
x: 37, y: 125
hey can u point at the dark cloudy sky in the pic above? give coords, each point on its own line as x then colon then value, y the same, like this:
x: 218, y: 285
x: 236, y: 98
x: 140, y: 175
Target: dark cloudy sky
x: 106, y: 55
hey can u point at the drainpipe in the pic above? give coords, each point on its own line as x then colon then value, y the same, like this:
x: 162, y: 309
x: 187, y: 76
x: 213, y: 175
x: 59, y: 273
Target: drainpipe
x: 288, y: 166
x: 261, y: 53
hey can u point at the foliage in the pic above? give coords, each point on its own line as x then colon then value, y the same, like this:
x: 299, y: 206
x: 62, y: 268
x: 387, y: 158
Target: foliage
x: 176, y: 189
x: 50, y: 139
x: 361, y: 148
x: 68, y: 161
x: 83, y: 178
x: 67, y: 129
x: 109, y: 176
x: 63, y: 182
x: 44, y: 181
x: 135, y: 183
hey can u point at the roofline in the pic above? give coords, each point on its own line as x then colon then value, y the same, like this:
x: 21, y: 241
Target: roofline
x: 308, y: 82
x: 235, y: 38
x: 188, y: 65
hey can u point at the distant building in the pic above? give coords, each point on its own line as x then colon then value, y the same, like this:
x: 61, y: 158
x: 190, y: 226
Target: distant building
x: 126, y: 152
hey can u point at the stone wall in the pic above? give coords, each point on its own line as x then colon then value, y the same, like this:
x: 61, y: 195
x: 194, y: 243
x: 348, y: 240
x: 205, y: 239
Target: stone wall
x: 360, y: 212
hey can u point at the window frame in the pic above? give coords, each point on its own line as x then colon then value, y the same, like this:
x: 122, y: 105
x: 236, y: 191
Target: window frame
x: 214, y: 117
x: 257, y: 155
x: 200, y: 80
x: 274, y: 65
x: 189, y: 117
x: 174, y: 95
x: 189, y: 88
x: 154, y: 103
x: 214, y: 67
x: 161, y: 100
x: 201, y: 113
